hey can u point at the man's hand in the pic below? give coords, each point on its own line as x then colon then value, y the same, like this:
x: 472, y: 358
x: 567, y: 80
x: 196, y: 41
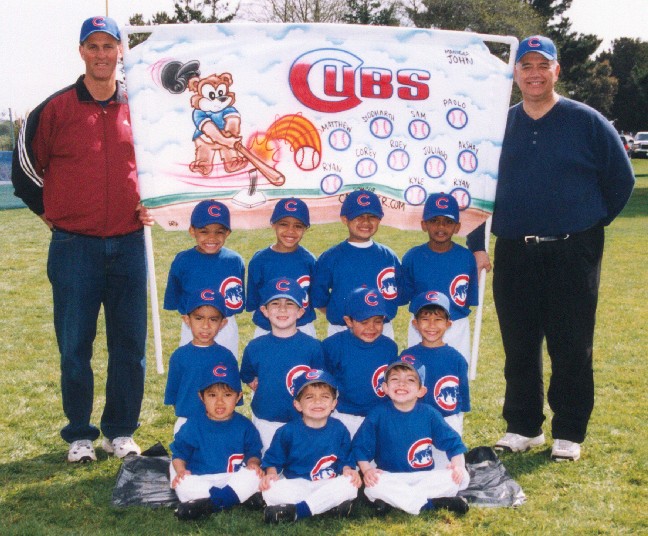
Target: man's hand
x: 47, y: 222
x: 483, y: 261
x: 144, y: 215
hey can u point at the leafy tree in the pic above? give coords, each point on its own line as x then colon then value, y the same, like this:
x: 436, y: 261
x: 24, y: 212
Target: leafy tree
x: 371, y: 12
x: 302, y: 11
x: 549, y: 10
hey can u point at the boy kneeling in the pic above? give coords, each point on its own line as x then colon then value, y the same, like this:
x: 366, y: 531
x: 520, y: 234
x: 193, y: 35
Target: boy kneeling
x: 399, y: 436
x: 314, y: 454
x: 216, y: 454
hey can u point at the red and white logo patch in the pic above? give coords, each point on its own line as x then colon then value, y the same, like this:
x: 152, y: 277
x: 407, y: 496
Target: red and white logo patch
x: 446, y: 392
x: 324, y: 469
x: 419, y: 454
x: 292, y: 375
x: 386, y: 283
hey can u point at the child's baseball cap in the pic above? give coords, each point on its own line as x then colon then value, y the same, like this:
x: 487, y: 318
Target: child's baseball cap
x: 408, y: 362
x: 222, y: 373
x: 361, y: 202
x: 537, y: 43
x: 205, y: 297
x: 210, y: 211
x: 364, y: 303
x: 310, y: 377
x: 441, y: 205
x: 99, y: 24
x: 283, y: 287
x: 431, y: 297
x: 291, y: 207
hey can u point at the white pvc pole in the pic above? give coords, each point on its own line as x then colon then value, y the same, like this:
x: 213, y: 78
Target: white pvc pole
x: 474, y: 355
x: 155, y: 310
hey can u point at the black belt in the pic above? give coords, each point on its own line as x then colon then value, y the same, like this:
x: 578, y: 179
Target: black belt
x: 533, y: 239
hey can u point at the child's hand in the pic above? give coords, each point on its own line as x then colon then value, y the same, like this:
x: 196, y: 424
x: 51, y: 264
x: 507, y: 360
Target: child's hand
x: 267, y: 481
x: 254, y: 384
x: 371, y: 476
x: 253, y: 465
x: 458, y: 467
x: 179, y: 477
x: 353, y: 475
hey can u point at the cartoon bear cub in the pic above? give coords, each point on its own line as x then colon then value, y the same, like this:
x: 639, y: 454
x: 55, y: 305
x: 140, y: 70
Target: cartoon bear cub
x: 218, y: 123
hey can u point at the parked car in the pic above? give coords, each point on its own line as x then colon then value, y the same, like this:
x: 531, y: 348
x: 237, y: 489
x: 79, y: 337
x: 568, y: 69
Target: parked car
x: 640, y: 145
x: 627, y: 142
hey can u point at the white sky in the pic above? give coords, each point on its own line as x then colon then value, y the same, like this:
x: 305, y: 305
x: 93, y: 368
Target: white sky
x: 39, y: 38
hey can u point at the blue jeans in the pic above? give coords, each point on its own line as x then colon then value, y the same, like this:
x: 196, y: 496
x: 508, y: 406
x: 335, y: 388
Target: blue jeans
x: 86, y: 272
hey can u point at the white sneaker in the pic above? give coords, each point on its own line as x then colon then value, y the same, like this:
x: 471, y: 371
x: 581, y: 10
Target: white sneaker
x: 81, y: 451
x: 565, y: 450
x: 518, y: 443
x: 121, y: 446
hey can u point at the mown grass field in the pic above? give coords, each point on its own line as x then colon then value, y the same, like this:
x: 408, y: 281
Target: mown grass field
x: 604, y: 493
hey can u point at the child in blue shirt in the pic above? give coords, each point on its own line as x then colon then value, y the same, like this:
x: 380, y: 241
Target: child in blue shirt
x: 446, y: 371
x: 357, y: 358
x: 208, y: 265
x: 216, y: 454
x: 290, y: 220
x: 445, y: 266
x: 188, y: 364
x: 271, y: 363
x: 357, y: 262
x: 309, y: 469
x: 398, y: 437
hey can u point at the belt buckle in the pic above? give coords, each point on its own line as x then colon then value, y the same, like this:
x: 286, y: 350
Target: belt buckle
x: 531, y: 239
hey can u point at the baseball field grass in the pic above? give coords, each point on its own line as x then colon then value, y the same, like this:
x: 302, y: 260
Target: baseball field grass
x: 603, y: 493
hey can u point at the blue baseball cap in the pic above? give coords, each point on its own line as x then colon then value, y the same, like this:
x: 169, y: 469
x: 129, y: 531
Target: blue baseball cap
x: 537, y: 43
x: 364, y: 303
x: 222, y: 373
x: 409, y: 362
x: 205, y: 297
x: 361, y: 202
x: 210, y: 211
x: 310, y: 377
x: 99, y: 24
x: 441, y: 205
x: 431, y: 297
x: 293, y: 208
x: 283, y: 287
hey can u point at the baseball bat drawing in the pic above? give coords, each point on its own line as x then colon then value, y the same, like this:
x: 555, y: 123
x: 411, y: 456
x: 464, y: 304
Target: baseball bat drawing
x: 275, y: 177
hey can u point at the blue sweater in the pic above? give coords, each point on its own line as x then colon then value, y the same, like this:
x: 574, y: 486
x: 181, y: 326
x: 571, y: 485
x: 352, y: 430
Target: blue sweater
x: 563, y: 173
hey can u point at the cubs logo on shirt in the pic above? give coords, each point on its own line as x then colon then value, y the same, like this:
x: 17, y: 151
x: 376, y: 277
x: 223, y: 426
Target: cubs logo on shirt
x: 234, y: 463
x: 377, y: 381
x: 419, y: 455
x: 324, y: 469
x: 304, y: 282
x: 232, y: 291
x: 386, y: 283
x: 446, y: 392
x: 459, y: 289
x: 292, y: 375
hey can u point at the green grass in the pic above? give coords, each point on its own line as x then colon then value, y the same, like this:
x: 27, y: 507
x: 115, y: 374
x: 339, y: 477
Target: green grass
x: 604, y: 493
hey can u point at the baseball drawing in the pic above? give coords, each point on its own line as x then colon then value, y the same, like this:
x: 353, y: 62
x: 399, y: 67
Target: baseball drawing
x: 331, y: 184
x: 307, y: 158
x: 419, y: 129
x: 398, y: 159
x: 381, y: 127
x: 415, y: 195
x: 366, y: 167
x: 339, y: 139
x: 467, y: 161
x: 462, y: 196
x: 435, y: 167
x: 457, y: 118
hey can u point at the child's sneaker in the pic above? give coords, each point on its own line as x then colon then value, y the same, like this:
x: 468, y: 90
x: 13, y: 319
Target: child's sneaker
x: 565, y: 450
x: 81, y: 451
x: 458, y: 505
x: 518, y: 443
x: 343, y: 509
x: 196, y: 509
x: 121, y: 446
x: 280, y: 513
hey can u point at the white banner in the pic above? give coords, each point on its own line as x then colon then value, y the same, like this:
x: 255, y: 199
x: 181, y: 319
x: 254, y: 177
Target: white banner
x: 249, y: 113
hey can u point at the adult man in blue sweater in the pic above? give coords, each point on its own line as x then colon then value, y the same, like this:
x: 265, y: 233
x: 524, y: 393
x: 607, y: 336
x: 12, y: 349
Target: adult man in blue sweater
x: 563, y: 177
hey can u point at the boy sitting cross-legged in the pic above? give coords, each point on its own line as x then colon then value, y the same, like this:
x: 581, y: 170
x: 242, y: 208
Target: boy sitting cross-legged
x: 398, y: 437
x: 308, y: 466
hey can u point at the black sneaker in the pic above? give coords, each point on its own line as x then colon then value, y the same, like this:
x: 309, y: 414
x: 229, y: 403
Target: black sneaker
x: 195, y: 509
x: 459, y: 505
x: 280, y: 513
x: 381, y: 508
x: 255, y: 502
x: 343, y: 509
